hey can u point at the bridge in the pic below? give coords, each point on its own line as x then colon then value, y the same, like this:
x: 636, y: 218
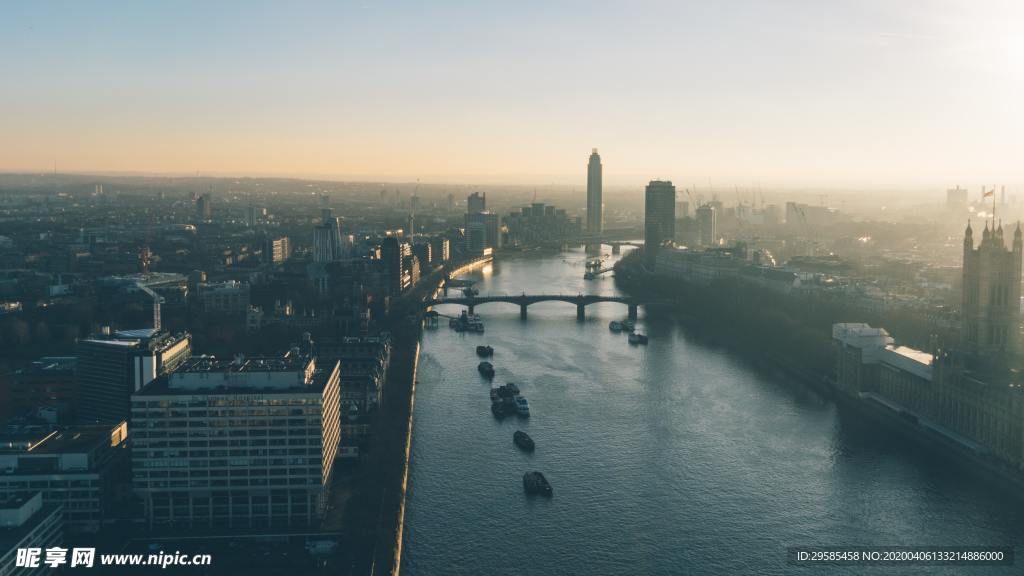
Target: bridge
x: 581, y: 301
x: 604, y: 240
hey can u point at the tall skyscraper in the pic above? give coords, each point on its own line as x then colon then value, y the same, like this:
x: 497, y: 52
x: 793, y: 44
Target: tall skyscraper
x: 595, y: 220
x: 659, y: 217
x: 707, y: 225
x: 991, y: 294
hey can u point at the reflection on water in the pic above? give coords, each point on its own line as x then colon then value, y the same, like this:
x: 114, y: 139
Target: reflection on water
x: 676, y: 457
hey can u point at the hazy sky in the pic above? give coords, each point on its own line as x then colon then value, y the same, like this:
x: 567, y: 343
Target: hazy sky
x: 901, y: 93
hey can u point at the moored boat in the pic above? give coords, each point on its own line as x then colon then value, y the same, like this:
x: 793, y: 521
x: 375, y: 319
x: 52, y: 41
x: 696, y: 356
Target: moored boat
x: 484, y: 351
x: 523, y: 440
x: 536, y: 483
x: 634, y: 338
x: 522, y: 406
x: 615, y: 326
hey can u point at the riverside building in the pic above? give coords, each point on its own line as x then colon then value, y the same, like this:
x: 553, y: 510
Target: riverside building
x: 246, y: 443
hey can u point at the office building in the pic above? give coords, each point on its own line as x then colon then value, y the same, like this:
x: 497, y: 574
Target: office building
x: 49, y: 381
x: 228, y: 297
x: 246, y: 443
x: 990, y: 305
x: 805, y: 216
x: 396, y: 275
x: 540, y: 224
x: 82, y: 469
x: 27, y: 523
x: 659, y: 218
x: 595, y: 208
x: 251, y: 216
x: 366, y: 361
x: 113, y: 366
x: 328, y: 243
x: 956, y: 198
x: 204, y: 208
x: 476, y: 202
x: 440, y: 250
x: 707, y: 225
x: 425, y: 253
x: 482, y: 233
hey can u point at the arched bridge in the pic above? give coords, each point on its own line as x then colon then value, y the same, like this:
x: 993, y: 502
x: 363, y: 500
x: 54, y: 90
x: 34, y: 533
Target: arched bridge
x: 581, y: 301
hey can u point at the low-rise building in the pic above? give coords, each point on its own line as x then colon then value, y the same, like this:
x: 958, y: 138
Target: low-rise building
x: 982, y: 413
x: 79, y: 469
x: 31, y: 526
x: 229, y: 297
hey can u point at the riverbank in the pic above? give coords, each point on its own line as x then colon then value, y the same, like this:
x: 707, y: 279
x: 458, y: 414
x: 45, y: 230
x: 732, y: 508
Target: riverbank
x: 806, y: 356
x: 400, y: 398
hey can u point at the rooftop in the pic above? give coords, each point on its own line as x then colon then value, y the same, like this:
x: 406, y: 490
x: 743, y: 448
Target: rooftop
x: 912, y: 354
x: 237, y: 386
x: 285, y: 363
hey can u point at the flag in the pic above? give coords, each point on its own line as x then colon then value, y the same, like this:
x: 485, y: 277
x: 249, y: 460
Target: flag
x: 991, y: 192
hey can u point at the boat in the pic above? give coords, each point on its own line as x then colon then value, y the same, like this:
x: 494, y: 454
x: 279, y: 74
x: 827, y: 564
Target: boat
x: 523, y: 440
x: 536, y: 483
x: 505, y: 401
x: 484, y: 351
x: 634, y: 338
x: 522, y: 406
x: 615, y: 326
x: 503, y: 406
x: 467, y: 323
x: 486, y: 369
x: 641, y: 338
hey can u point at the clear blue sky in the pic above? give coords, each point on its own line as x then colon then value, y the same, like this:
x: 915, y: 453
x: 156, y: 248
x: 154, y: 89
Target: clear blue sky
x: 903, y: 93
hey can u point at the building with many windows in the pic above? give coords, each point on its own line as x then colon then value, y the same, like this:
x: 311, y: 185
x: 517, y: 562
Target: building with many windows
x: 82, y: 469
x: 228, y: 297
x: 244, y: 443
x: 595, y: 206
x: 113, y: 365
x: 659, y: 218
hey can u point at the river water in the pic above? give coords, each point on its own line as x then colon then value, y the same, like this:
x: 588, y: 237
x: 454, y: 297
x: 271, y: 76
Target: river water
x: 673, y: 458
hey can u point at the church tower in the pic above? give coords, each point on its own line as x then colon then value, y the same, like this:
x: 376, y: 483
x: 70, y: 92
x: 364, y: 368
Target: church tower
x: 990, y: 304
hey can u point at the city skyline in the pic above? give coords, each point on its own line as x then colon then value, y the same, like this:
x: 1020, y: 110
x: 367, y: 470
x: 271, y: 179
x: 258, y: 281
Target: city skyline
x: 891, y: 96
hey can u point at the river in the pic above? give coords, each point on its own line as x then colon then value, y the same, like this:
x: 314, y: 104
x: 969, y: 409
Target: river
x: 674, y: 458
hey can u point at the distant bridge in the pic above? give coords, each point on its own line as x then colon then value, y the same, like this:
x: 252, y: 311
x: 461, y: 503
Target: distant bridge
x: 604, y: 240
x: 581, y: 301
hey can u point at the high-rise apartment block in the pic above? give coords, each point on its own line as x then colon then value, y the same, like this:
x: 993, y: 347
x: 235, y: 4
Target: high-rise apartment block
x: 595, y: 208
